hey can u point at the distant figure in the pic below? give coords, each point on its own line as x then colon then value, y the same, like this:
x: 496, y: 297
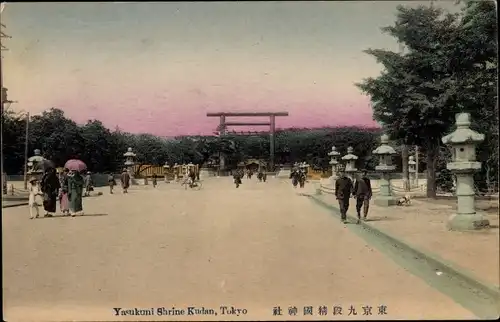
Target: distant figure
x: 192, y: 177
x: 260, y: 176
x: 89, y: 185
x: 125, y: 180
x: 294, y: 175
x: 63, y: 195
x: 35, y: 198
x: 302, y: 178
x: 76, y: 184
x: 155, y: 180
x: 237, y: 178
x: 111, y: 183
x: 264, y: 176
x: 343, y: 190
x: 50, y: 187
x: 363, y: 193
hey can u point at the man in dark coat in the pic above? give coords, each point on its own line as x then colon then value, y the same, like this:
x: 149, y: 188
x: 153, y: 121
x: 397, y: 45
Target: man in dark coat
x: 125, y: 180
x: 363, y: 193
x: 343, y: 190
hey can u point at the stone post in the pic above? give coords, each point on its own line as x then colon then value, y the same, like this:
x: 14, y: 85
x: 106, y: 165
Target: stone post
x: 165, y: 171
x: 413, y: 171
x: 463, y: 143
x: 385, y: 153
x: 129, y: 164
x: 334, y: 155
x: 350, y: 163
x: 176, y: 172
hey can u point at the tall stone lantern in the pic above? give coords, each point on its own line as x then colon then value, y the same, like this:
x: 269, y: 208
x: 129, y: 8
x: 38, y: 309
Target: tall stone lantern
x: 385, y: 167
x: 412, y: 169
x: 165, y: 171
x: 334, y: 155
x: 129, y: 164
x: 350, y: 163
x: 463, y: 143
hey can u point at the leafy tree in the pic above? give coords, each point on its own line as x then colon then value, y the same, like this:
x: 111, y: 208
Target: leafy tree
x: 13, y: 128
x: 414, y: 97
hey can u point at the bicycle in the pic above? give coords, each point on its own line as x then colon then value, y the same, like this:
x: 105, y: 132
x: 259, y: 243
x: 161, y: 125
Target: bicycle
x: 194, y: 185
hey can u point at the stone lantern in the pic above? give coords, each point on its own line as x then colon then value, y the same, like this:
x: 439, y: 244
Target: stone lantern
x: 129, y: 164
x: 385, y: 167
x: 412, y: 169
x: 463, y: 143
x: 184, y: 170
x: 334, y: 155
x: 176, y: 172
x: 165, y: 171
x: 34, y: 162
x: 350, y: 163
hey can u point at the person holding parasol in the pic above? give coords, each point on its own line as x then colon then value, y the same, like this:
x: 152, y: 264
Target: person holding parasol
x: 75, y: 185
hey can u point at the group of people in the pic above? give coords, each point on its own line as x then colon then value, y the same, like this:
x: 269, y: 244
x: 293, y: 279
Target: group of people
x: 298, y: 177
x: 361, y: 190
x: 239, y: 174
x: 124, y: 180
x: 67, y: 188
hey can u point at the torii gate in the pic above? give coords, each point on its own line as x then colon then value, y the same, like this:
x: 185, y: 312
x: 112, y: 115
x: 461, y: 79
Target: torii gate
x: 272, y: 125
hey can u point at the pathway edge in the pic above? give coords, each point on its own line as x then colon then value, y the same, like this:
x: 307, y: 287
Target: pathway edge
x: 442, y: 264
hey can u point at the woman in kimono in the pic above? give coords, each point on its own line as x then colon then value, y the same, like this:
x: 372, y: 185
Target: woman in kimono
x: 63, y: 195
x: 50, y: 187
x: 76, y: 183
x: 155, y: 180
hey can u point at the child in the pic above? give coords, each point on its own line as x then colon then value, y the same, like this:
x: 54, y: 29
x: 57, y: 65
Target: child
x: 35, y: 199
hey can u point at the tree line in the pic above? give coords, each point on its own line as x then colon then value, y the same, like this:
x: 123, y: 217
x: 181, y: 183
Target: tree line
x: 60, y: 138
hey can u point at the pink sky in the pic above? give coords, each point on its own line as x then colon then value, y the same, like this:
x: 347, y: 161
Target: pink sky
x: 160, y: 67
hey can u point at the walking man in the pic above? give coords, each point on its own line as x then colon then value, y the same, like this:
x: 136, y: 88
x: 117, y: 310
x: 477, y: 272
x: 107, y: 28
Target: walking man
x: 111, y: 182
x: 343, y: 190
x: 155, y: 180
x: 125, y: 180
x: 363, y: 193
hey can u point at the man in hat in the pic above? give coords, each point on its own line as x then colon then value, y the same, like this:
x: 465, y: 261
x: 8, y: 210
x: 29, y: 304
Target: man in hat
x: 89, y: 186
x: 343, y: 190
x: 111, y: 182
x: 362, y: 192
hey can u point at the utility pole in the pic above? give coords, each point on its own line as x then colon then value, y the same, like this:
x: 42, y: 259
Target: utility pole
x: 3, y: 100
x: 416, y: 163
x: 26, y: 151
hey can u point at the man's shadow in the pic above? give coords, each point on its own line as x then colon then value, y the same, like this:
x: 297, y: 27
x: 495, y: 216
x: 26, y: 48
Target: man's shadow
x: 61, y: 216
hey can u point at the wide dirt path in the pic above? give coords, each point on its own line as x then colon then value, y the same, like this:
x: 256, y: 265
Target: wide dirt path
x: 254, y: 248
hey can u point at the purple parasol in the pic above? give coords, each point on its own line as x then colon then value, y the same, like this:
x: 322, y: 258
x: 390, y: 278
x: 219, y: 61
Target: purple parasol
x: 75, y: 165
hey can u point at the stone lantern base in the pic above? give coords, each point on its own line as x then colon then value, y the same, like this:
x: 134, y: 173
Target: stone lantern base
x: 463, y: 222
x: 385, y: 201
x: 205, y: 173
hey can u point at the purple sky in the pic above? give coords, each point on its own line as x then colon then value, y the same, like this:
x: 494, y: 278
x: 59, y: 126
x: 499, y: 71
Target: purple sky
x: 160, y: 67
